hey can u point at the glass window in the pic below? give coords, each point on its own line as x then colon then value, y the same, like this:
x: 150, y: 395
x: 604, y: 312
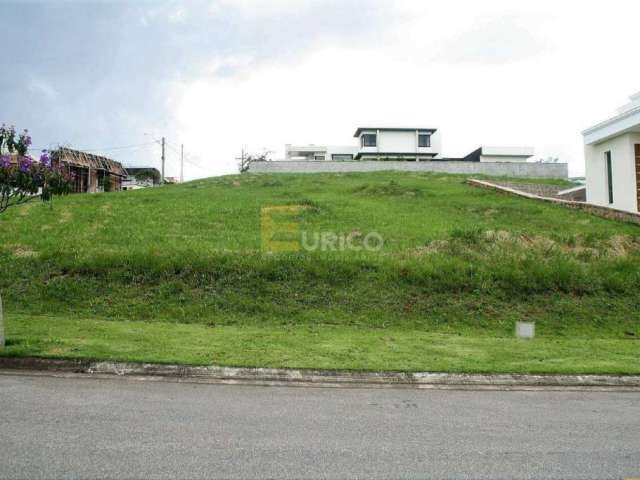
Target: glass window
x: 341, y: 157
x: 424, y: 140
x: 369, y: 139
x: 607, y: 156
x: 319, y: 157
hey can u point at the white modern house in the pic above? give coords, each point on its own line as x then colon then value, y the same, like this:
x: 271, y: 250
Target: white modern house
x: 408, y: 149
x: 612, y: 159
x: 409, y: 144
x: 375, y: 143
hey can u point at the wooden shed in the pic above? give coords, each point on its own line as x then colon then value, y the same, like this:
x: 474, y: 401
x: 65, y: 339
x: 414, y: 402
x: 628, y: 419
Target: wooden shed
x: 91, y: 173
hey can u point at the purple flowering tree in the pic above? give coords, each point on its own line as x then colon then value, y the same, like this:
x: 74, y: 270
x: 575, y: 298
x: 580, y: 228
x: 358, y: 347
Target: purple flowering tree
x: 22, y: 178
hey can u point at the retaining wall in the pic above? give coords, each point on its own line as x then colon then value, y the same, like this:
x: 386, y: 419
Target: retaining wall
x: 498, y: 169
x: 598, y: 210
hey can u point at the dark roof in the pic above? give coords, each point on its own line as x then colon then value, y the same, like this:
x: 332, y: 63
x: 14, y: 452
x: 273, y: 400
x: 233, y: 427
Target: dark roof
x: 76, y: 158
x: 385, y: 129
x: 474, y: 156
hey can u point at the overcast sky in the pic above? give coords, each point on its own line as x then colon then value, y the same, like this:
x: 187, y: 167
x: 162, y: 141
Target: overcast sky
x: 219, y: 74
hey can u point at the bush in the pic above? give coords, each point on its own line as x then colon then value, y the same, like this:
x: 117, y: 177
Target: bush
x: 23, y: 178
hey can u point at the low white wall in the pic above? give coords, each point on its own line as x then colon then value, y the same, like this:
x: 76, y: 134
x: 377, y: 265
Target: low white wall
x: 519, y: 169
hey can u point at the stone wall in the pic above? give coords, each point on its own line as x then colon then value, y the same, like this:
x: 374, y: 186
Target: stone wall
x: 515, y: 169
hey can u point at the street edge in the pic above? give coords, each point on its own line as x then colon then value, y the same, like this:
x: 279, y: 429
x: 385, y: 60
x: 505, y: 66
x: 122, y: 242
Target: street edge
x: 311, y: 376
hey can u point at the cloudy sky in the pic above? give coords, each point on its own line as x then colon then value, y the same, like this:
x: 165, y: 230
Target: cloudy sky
x: 113, y: 77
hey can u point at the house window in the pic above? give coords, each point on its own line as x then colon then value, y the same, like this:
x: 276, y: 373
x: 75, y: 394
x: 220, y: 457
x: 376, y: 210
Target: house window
x: 607, y: 156
x: 369, y: 139
x: 319, y: 158
x: 341, y: 157
x: 424, y: 140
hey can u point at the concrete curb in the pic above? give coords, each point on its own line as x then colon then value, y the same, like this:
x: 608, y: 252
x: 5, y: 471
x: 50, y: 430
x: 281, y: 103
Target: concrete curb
x: 319, y: 377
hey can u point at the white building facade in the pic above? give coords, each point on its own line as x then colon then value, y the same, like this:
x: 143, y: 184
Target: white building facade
x: 500, y: 154
x: 403, y: 144
x: 320, y: 153
x: 612, y: 159
x: 375, y: 143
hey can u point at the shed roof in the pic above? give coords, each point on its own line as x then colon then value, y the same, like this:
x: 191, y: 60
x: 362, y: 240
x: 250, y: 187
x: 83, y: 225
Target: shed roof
x: 77, y: 158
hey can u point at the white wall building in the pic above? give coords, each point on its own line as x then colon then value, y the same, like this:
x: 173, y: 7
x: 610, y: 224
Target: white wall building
x: 320, y: 153
x: 612, y: 159
x: 500, y: 154
x: 375, y: 143
x: 411, y: 144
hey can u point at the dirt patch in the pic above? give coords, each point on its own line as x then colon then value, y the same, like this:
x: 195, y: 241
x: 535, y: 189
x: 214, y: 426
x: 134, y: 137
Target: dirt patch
x: 621, y: 246
x: 106, y: 208
x: 436, y: 246
x: 497, y: 236
x: 65, y: 216
x: 25, y: 209
x: 389, y: 189
x: 617, y: 246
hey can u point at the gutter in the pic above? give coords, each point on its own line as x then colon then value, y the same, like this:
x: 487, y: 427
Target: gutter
x: 307, y: 377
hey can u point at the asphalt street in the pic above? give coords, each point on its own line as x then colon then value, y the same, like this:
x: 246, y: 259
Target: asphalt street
x: 119, y: 428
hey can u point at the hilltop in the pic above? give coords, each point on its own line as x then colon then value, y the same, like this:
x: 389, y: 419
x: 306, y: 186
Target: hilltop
x: 456, y: 262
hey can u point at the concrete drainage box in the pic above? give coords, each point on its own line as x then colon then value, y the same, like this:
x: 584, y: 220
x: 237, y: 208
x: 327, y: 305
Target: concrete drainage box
x: 525, y: 329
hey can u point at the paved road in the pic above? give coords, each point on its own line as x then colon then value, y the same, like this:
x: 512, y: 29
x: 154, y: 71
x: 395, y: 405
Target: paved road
x: 88, y: 428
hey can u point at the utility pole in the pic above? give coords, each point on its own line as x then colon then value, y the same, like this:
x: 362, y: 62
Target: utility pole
x: 162, y: 180
x: 182, y: 163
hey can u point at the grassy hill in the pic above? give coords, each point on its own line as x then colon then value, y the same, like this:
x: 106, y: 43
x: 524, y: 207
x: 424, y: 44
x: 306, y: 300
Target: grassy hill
x: 179, y: 274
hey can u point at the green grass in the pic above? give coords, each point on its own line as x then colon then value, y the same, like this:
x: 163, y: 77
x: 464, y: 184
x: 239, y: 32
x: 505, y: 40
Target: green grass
x: 350, y: 348
x: 458, y: 267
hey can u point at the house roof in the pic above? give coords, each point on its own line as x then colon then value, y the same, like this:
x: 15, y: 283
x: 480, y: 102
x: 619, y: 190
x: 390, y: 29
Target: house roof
x: 395, y: 129
x: 627, y: 120
x: 77, y: 158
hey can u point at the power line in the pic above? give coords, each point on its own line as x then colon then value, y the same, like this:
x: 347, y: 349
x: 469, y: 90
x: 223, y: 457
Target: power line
x: 184, y: 157
x: 105, y: 149
x: 187, y: 157
x: 122, y: 147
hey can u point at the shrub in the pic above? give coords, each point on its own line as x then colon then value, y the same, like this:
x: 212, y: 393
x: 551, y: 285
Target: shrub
x: 23, y: 178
